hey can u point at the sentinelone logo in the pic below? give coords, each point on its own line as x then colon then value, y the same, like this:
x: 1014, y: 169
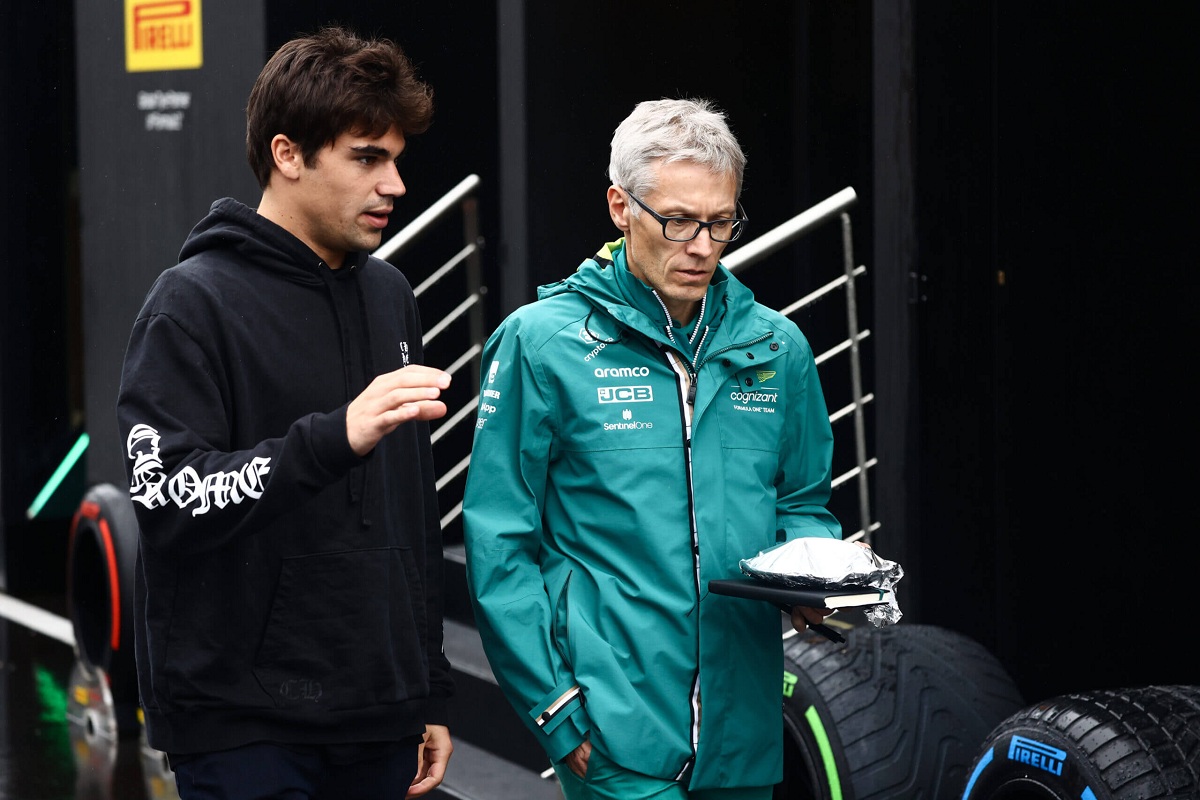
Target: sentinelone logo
x: 162, y: 35
x: 629, y: 424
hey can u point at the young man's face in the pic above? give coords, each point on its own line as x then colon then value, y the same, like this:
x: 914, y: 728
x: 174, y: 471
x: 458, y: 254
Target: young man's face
x: 341, y: 203
x: 679, y: 271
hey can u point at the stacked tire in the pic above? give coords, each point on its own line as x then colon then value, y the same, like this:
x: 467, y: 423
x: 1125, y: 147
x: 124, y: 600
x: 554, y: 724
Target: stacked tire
x: 917, y: 711
x: 895, y: 712
x: 100, y: 562
x: 1128, y: 744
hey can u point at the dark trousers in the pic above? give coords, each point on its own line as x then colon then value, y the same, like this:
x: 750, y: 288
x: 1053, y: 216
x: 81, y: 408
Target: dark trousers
x: 265, y: 771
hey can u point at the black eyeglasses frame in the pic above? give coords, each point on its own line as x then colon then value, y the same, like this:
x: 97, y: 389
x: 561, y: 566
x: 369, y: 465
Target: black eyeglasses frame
x: 739, y: 222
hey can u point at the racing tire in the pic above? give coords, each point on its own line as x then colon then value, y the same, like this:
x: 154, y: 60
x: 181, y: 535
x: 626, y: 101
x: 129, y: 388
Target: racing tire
x: 897, y: 711
x: 1122, y: 744
x: 100, y: 567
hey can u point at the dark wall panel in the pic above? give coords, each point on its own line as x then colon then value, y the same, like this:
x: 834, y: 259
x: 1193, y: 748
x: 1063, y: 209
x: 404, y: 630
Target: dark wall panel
x: 454, y: 51
x: 1096, y: 226
x: 39, y: 405
x: 143, y: 188
x: 1054, y: 431
x: 954, y: 296
x: 587, y: 66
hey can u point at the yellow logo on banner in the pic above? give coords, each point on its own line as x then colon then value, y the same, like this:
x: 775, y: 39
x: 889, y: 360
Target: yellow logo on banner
x: 162, y: 35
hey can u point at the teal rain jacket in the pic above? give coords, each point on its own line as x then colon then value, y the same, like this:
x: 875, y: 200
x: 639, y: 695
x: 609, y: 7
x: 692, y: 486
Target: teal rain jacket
x: 611, y: 478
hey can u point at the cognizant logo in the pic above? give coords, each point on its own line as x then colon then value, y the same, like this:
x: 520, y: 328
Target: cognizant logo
x: 622, y: 372
x: 754, y: 397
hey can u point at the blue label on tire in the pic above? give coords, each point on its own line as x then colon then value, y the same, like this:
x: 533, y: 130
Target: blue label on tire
x: 1036, y: 754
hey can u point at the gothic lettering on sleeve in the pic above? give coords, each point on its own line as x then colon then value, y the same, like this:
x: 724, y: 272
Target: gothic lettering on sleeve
x: 150, y: 486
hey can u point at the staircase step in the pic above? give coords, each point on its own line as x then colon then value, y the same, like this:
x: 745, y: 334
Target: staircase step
x: 457, y: 600
x: 475, y: 774
x: 480, y: 713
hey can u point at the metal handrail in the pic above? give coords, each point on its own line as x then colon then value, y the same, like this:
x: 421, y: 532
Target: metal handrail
x: 445, y: 269
x: 409, y: 233
x: 813, y: 297
x: 459, y: 310
x: 468, y: 408
x: 790, y: 231
x: 468, y: 257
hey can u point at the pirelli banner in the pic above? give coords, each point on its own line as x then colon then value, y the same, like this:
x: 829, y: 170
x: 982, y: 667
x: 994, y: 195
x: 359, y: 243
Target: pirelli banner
x: 163, y: 35
x: 162, y: 87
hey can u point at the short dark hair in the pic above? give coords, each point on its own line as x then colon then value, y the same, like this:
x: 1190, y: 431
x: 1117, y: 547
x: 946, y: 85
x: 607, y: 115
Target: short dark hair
x: 317, y: 87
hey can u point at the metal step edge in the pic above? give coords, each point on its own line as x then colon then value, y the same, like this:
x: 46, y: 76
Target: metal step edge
x: 480, y: 714
x: 476, y: 774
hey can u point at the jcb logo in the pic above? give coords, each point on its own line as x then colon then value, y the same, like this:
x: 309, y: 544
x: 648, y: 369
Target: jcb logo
x: 625, y: 394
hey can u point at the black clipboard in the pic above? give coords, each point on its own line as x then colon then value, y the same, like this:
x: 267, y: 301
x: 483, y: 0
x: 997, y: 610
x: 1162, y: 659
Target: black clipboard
x: 784, y: 597
x: 810, y: 597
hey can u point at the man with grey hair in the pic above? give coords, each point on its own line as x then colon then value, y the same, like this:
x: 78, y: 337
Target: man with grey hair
x: 642, y: 427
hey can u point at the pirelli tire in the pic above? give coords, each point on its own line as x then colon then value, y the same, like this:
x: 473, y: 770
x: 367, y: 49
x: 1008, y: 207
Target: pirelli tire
x: 897, y: 711
x: 1125, y: 744
x: 101, y: 553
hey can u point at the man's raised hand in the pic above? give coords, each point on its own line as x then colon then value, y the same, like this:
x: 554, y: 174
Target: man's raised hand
x: 391, y: 400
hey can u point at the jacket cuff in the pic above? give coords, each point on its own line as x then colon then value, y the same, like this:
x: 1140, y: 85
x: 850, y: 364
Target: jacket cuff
x: 561, y: 717
x: 330, y: 444
x: 437, y: 711
x: 568, y: 735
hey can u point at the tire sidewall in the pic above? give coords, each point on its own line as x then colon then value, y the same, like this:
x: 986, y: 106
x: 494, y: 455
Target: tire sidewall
x: 904, y: 705
x: 1028, y: 758
x: 1135, y: 742
x: 811, y: 736
x: 102, y: 552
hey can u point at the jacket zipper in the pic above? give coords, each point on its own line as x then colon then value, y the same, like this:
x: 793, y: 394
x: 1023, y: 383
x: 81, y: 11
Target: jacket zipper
x: 691, y: 374
x: 685, y: 373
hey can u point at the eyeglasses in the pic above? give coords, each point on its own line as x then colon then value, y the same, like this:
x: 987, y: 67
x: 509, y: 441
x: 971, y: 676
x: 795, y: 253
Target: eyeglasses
x: 684, y: 229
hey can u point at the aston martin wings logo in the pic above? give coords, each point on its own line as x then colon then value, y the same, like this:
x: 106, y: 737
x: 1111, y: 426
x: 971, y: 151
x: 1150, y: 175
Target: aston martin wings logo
x: 765, y: 375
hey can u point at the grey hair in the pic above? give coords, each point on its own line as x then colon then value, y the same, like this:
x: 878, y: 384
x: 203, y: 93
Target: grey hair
x: 672, y: 130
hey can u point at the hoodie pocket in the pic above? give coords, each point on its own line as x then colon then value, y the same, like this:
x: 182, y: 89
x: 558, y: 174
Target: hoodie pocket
x: 346, y: 630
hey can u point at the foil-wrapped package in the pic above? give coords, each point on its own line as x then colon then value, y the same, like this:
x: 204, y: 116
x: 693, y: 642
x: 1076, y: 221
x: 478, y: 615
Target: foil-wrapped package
x: 814, y: 561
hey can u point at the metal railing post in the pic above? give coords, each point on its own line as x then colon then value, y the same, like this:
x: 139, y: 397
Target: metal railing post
x: 856, y: 390
x: 474, y: 279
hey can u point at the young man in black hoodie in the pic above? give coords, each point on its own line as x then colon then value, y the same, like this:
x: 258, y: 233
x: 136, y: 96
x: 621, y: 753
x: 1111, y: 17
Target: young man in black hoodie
x: 275, y: 410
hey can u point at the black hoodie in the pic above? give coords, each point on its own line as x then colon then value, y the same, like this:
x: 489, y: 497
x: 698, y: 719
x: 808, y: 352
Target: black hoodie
x: 287, y: 590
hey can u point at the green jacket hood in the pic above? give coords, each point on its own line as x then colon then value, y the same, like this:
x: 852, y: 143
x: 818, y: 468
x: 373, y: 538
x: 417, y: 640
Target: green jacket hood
x: 596, y: 280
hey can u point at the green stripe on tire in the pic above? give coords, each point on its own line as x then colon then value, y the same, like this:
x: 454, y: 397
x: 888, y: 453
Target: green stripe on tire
x: 818, y: 730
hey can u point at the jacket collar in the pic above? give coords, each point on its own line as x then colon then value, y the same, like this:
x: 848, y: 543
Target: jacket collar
x: 634, y: 305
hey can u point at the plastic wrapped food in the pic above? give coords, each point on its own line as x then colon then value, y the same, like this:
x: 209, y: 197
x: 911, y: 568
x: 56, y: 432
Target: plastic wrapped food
x: 829, y: 563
